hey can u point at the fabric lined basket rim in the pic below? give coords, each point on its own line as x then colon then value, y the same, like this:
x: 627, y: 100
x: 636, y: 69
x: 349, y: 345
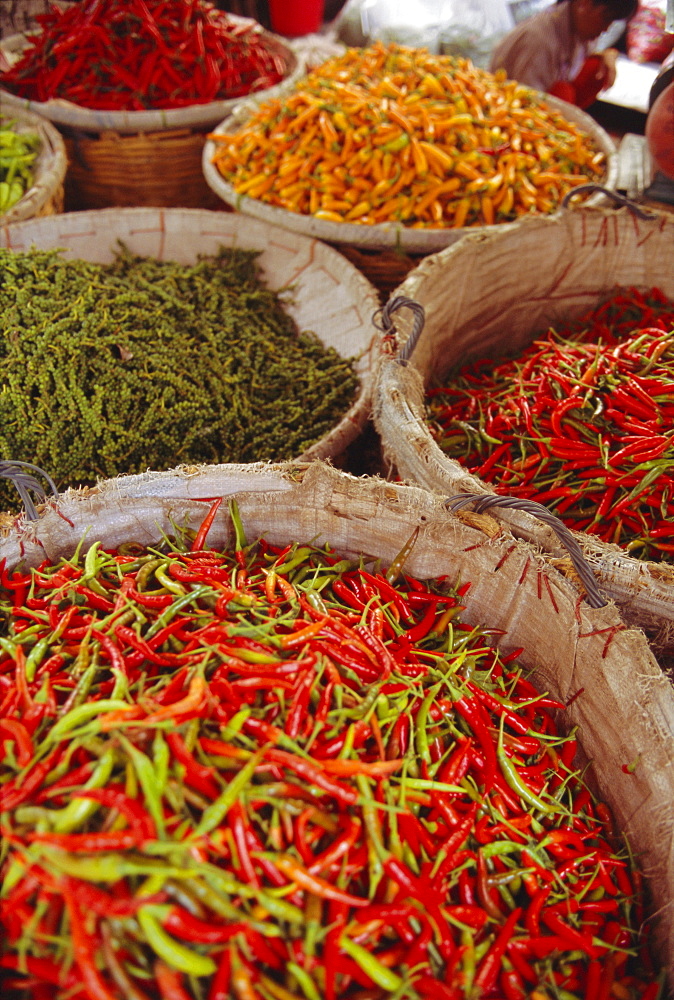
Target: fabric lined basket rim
x: 643, y: 589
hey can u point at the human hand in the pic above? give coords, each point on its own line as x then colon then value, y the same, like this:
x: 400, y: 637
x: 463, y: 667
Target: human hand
x: 607, y: 70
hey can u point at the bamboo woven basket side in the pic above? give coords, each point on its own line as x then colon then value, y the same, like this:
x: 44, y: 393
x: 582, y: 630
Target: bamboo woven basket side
x: 488, y: 297
x: 160, y: 169
x: 47, y: 193
x: 626, y: 709
x: 386, y: 269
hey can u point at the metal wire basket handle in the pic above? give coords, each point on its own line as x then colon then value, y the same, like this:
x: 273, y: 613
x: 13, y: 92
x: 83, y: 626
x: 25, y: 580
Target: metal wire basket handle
x: 26, y: 483
x: 383, y: 320
x: 641, y: 213
x: 484, y: 502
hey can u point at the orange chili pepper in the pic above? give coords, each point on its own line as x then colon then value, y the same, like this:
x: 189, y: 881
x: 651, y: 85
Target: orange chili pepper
x: 190, y: 703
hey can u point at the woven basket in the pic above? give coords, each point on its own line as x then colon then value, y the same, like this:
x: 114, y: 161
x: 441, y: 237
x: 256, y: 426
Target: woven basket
x: 130, y: 158
x: 151, y: 168
x: 487, y: 297
x: 19, y: 15
x: 626, y: 711
x: 326, y: 293
x: 46, y: 194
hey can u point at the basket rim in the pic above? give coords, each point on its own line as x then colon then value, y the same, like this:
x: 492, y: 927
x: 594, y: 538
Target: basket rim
x: 75, y: 116
x: 387, y: 235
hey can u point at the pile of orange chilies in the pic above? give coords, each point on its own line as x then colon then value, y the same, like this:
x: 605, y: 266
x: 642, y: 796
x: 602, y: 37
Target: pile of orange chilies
x: 397, y: 134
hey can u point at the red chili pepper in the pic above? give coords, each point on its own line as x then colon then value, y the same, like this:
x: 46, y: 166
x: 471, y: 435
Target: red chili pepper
x: 190, y: 704
x: 315, y: 885
x: 221, y: 981
x: 206, y: 525
x: 314, y: 775
x: 423, y: 626
x: 18, y: 733
x: 115, y: 798
x: 15, y: 791
x: 42, y: 969
x: 487, y: 973
x: 169, y: 982
x: 533, y: 911
x: 84, y: 952
x: 129, y: 637
x: 187, y: 927
x: 196, y: 775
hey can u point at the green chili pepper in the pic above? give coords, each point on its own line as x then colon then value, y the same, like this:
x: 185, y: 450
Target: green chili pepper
x: 214, y: 813
x: 152, y: 780
x: 77, y: 811
x: 177, y: 955
x: 83, y: 714
x: 517, y: 784
x: 371, y: 966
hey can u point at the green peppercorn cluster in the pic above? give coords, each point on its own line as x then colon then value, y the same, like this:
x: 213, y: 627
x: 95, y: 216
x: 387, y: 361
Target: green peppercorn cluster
x: 147, y: 364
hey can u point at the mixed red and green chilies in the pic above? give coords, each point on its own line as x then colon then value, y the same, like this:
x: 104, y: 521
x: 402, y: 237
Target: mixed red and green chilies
x: 581, y: 421
x: 135, y: 55
x: 270, y: 773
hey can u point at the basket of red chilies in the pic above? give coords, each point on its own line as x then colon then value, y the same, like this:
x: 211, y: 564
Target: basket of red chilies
x: 543, y: 369
x: 274, y: 731
x: 135, y: 86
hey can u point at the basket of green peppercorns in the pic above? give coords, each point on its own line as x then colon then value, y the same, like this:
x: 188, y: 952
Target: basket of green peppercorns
x: 33, y: 165
x: 139, y: 339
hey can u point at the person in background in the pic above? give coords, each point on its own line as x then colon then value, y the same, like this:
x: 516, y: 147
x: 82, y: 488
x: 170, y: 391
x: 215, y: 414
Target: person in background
x: 551, y: 50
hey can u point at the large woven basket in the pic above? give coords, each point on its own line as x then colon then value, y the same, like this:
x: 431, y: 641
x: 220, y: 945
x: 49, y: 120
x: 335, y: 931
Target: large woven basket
x: 46, y: 194
x: 326, y: 294
x: 138, y: 158
x: 488, y: 297
x: 626, y: 711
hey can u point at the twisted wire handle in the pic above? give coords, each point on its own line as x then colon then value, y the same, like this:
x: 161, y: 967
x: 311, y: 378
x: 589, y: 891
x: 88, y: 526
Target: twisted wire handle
x: 383, y: 320
x: 641, y: 213
x: 484, y: 502
x: 24, y: 482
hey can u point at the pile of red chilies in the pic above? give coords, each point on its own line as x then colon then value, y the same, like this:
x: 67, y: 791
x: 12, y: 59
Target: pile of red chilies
x: 134, y: 55
x: 582, y: 421
x: 272, y: 774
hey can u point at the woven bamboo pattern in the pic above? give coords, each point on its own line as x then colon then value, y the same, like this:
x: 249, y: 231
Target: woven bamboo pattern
x: 161, y: 169
x: 47, y: 194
